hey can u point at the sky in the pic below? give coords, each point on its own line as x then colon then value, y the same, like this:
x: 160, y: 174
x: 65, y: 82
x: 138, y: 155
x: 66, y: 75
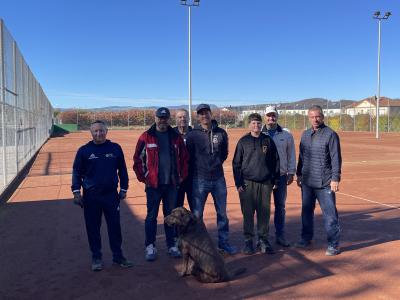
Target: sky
x: 96, y: 53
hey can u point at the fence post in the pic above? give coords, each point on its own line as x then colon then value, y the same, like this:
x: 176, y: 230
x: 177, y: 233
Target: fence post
x: 15, y: 103
x: 2, y: 100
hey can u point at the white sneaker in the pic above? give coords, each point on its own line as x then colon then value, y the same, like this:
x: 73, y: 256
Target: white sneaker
x: 151, y: 253
x: 174, y: 252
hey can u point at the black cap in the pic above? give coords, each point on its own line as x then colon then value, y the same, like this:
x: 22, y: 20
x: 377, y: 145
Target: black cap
x: 203, y: 106
x: 162, y: 112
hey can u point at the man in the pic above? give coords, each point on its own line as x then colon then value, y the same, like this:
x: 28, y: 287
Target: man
x: 284, y: 142
x: 256, y: 171
x: 208, y: 149
x: 318, y: 175
x: 182, y: 127
x: 160, y: 162
x: 98, y: 167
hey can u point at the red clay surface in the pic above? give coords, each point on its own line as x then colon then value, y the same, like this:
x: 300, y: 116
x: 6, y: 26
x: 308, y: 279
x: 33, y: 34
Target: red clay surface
x: 44, y: 251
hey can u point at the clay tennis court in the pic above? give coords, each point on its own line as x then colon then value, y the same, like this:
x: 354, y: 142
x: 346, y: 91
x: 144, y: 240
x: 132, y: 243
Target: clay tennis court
x: 44, y: 251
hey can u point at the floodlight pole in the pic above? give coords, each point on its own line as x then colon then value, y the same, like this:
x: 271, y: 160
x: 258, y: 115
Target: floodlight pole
x: 189, y: 4
x: 377, y: 17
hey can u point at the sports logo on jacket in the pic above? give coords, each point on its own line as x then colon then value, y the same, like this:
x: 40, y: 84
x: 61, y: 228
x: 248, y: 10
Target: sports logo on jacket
x: 264, y: 149
x: 215, y: 139
x: 110, y: 155
x: 92, y: 156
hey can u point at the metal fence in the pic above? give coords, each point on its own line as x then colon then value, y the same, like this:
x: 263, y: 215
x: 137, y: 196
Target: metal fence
x: 25, y: 112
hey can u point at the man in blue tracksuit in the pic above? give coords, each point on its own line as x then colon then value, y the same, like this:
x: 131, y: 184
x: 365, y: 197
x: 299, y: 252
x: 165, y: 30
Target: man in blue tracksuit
x: 318, y: 175
x: 98, y: 167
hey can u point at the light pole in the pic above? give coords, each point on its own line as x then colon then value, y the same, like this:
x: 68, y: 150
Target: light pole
x: 189, y: 4
x: 379, y: 18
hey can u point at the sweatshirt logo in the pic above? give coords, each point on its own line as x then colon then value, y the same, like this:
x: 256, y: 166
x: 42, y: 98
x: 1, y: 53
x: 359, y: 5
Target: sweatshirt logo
x: 264, y: 149
x: 92, y: 156
x: 110, y: 155
x: 215, y: 139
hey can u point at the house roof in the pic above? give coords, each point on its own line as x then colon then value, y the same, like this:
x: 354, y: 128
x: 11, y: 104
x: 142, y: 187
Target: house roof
x: 383, y: 102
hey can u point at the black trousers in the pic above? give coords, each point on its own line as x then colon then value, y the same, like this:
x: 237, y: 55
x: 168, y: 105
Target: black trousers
x: 185, y: 188
x: 95, y: 205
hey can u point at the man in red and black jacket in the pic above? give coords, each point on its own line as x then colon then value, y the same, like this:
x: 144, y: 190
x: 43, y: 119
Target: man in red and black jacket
x: 161, y: 163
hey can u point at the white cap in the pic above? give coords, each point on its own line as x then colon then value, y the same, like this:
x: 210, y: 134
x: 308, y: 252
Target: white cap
x: 271, y: 109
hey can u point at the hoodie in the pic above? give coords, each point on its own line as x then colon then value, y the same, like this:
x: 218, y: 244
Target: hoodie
x: 208, y: 149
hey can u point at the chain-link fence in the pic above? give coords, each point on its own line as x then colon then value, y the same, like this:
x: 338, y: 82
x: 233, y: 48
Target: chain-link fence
x: 344, y: 118
x: 26, y: 114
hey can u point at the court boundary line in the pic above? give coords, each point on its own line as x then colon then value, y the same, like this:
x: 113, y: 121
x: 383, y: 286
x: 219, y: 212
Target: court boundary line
x: 368, y: 200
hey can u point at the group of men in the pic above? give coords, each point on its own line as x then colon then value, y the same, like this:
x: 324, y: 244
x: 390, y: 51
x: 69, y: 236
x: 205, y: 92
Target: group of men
x: 174, y: 162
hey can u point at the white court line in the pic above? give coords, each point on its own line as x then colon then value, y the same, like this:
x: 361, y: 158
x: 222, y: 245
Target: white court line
x: 368, y: 200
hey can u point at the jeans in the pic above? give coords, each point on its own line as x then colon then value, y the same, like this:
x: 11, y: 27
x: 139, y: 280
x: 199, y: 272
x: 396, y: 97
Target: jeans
x: 327, y: 202
x: 167, y: 193
x: 217, y: 188
x: 279, y: 200
x: 95, y: 205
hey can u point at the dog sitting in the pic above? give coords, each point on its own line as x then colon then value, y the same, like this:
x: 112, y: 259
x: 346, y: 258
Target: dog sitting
x: 200, y: 256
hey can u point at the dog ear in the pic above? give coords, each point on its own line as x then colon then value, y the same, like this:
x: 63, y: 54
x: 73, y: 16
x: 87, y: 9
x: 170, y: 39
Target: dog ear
x: 188, y: 218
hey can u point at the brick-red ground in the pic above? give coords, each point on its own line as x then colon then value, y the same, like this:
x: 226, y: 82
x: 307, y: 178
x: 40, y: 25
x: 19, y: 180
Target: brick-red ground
x: 44, y: 252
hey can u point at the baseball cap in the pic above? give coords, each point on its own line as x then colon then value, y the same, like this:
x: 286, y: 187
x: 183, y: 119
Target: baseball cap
x: 203, y: 106
x: 162, y: 112
x: 271, y: 109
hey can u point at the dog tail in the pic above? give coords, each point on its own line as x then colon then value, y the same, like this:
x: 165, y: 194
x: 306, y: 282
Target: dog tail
x: 237, y: 272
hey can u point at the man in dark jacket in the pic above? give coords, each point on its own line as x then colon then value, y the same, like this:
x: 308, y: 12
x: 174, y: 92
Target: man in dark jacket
x: 183, y: 128
x: 208, y: 149
x: 256, y: 171
x: 161, y: 162
x: 98, y: 167
x: 318, y: 175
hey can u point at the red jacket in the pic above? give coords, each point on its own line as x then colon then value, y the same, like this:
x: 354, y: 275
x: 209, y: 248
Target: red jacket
x: 145, y: 159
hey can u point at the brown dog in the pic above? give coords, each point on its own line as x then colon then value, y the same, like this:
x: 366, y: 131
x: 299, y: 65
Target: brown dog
x: 200, y: 256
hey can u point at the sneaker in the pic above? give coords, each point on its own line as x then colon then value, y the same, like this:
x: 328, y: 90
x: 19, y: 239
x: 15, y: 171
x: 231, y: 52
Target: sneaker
x: 151, y: 253
x: 248, y: 247
x: 97, y: 265
x: 123, y: 263
x: 226, y: 248
x: 280, y: 240
x: 174, y: 252
x: 332, y: 251
x: 303, y: 244
x: 265, y: 247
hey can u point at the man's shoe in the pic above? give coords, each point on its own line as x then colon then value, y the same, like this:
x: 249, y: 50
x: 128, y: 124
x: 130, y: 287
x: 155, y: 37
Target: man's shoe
x: 97, y: 265
x: 265, y: 247
x: 123, y: 263
x: 151, y: 253
x: 332, y: 251
x: 248, y: 247
x: 280, y: 240
x: 174, y: 252
x: 228, y: 249
x: 303, y: 244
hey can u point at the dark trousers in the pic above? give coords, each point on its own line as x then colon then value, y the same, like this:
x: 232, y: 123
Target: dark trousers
x: 327, y: 202
x: 185, y: 188
x: 95, y: 205
x: 167, y: 193
x: 256, y: 198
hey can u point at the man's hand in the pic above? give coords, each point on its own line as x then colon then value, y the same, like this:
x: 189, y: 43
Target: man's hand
x: 290, y: 178
x: 241, y: 189
x: 122, y: 195
x: 334, y: 186
x: 78, y: 199
x: 299, y: 180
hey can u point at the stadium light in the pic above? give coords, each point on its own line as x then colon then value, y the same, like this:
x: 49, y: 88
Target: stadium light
x: 379, y: 18
x: 189, y: 4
